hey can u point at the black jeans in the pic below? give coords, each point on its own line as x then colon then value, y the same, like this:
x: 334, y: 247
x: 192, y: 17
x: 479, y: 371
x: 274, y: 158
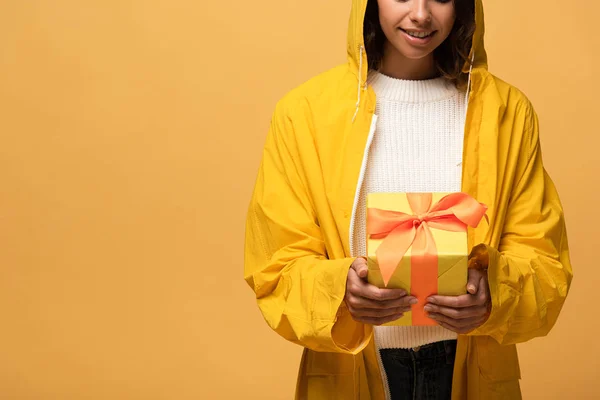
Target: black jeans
x: 420, y: 374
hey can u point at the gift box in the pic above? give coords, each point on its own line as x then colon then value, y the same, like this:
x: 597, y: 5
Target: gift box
x: 418, y: 242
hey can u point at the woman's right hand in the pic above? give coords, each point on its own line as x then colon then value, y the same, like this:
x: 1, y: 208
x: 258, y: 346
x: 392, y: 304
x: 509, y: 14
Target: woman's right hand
x: 368, y: 303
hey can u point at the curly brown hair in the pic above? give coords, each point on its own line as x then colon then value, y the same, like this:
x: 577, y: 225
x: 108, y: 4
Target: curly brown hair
x: 450, y: 56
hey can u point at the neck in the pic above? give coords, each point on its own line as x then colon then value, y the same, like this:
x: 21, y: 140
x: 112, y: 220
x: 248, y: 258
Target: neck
x: 397, y: 66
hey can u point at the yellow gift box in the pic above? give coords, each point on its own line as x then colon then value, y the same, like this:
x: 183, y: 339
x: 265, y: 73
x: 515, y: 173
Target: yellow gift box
x: 422, y: 240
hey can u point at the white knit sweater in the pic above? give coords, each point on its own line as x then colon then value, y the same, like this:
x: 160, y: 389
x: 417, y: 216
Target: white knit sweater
x: 417, y: 147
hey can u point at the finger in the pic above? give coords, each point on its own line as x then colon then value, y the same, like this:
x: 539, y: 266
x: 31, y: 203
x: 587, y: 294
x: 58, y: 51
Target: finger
x: 474, y: 280
x: 449, y: 327
x: 354, y: 281
x: 456, y: 313
x: 375, y: 297
x: 360, y: 267
x: 455, y: 329
x: 372, y: 292
x: 380, y: 321
x: 459, y: 323
x: 369, y: 291
x: 375, y: 313
x: 462, y: 301
x: 461, y: 330
x: 462, y: 325
x: 354, y: 299
x: 483, y: 294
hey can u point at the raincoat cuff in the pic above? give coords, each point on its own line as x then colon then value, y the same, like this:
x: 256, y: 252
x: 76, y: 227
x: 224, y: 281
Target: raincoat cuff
x: 348, y: 335
x: 495, y: 321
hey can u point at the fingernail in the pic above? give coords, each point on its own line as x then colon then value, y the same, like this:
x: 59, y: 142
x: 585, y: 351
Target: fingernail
x: 414, y: 301
x: 432, y: 316
x: 428, y: 308
x: 471, y: 288
x: 431, y: 300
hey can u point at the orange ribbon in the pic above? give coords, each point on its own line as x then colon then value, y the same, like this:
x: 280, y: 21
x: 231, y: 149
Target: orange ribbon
x: 400, y: 231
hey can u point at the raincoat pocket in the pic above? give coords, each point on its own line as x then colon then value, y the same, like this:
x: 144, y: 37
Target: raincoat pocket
x: 499, y: 372
x: 331, y: 376
x: 497, y: 362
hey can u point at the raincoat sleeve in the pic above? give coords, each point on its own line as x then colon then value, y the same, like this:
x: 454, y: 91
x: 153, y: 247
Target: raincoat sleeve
x: 299, y: 290
x: 530, y: 273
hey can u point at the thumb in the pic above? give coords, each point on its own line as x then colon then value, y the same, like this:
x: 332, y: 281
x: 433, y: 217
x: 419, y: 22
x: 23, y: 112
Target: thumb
x: 474, y: 280
x: 360, y: 266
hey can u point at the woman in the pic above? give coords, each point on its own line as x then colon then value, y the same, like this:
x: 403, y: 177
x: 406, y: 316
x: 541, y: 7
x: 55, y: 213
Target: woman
x: 441, y: 123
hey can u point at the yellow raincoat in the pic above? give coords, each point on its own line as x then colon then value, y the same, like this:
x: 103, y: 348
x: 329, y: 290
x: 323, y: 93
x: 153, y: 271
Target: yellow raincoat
x: 299, y: 227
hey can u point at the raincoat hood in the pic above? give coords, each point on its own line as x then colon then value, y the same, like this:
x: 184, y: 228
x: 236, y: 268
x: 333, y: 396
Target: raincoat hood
x: 357, y: 57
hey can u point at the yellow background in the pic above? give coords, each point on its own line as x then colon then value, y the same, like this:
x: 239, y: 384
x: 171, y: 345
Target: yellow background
x: 130, y: 135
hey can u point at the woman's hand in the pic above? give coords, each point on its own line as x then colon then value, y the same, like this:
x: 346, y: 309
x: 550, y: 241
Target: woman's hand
x: 368, y: 303
x: 467, y: 312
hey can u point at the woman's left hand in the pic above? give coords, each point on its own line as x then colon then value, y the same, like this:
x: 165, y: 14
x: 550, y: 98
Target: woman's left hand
x: 464, y: 313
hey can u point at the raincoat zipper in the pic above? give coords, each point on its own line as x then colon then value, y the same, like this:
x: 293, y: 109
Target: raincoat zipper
x: 361, y: 176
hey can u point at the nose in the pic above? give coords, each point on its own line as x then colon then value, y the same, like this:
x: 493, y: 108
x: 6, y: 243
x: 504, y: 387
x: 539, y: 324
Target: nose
x: 420, y: 13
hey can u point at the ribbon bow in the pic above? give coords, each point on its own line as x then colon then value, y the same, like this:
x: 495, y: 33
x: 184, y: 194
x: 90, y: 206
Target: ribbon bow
x: 400, y: 231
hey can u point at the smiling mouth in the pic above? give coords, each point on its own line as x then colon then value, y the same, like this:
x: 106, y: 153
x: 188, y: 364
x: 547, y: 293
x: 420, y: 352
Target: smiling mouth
x: 419, y: 35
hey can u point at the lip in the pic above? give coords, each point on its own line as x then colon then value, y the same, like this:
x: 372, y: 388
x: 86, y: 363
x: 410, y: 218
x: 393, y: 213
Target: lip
x: 418, y: 41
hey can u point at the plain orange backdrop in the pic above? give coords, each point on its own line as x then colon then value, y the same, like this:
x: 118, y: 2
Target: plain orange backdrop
x: 130, y: 136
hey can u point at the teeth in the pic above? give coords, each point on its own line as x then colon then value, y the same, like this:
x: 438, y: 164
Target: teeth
x: 419, y: 34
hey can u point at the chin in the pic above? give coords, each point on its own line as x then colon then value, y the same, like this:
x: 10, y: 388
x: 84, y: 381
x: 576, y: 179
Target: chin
x: 412, y: 53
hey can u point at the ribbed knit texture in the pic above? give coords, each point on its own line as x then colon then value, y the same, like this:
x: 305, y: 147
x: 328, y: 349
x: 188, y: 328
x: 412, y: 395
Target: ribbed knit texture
x: 417, y: 147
